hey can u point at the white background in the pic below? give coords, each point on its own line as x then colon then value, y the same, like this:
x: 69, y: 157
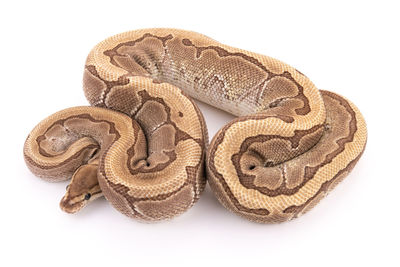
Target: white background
x: 349, y: 47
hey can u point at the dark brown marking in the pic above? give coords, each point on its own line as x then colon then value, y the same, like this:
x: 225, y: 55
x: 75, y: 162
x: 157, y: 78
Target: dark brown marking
x: 192, y: 172
x: 113, y: 52
x: 224, y: 53
x: 179, y: 136
x: 123, y: 80
x: 40, y: 138
x: 218, y: 176
x: 75, y: 156
x: 248, y: 180
x: 309, y: 172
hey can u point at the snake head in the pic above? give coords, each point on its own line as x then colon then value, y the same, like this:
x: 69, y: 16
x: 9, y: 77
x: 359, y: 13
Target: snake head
x: 84, y: 188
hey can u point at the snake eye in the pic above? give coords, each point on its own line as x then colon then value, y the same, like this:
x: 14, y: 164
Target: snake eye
x: 87, y: 196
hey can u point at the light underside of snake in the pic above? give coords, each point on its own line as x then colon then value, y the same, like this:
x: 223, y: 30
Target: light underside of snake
x: 288, y: 147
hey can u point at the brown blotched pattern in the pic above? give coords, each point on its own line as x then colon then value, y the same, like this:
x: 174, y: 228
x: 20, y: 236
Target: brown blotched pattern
x: 290, y: 145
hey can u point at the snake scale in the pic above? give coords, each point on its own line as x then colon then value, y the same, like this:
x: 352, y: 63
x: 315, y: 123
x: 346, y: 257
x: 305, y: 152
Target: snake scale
x: 143, y: 143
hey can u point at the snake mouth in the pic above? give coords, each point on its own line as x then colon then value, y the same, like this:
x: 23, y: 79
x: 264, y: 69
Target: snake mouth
x: 72, y: 206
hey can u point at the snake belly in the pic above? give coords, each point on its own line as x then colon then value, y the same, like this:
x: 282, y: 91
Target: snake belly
x: 289, y: 146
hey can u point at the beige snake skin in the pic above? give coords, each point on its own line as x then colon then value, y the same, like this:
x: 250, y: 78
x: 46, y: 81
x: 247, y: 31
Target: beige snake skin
x: 290, y: 145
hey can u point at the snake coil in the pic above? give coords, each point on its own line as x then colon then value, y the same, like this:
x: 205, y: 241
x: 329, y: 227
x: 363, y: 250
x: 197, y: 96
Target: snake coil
x: 143, y: 143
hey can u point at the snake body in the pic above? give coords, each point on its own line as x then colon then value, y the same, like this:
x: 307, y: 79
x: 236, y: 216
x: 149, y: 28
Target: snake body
x: 144, y: 144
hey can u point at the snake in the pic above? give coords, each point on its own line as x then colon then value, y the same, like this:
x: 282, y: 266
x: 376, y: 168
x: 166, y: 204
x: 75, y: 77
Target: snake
x: 143, y: 142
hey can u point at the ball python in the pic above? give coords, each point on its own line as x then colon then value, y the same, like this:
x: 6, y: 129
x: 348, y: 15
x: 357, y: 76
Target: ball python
x: 143, y: 142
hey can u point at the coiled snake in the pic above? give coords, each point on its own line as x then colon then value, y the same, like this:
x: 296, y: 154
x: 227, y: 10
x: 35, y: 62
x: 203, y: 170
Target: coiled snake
x: 144, y: 144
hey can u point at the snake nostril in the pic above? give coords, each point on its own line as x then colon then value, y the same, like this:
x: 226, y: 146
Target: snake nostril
x: 147, y: 164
